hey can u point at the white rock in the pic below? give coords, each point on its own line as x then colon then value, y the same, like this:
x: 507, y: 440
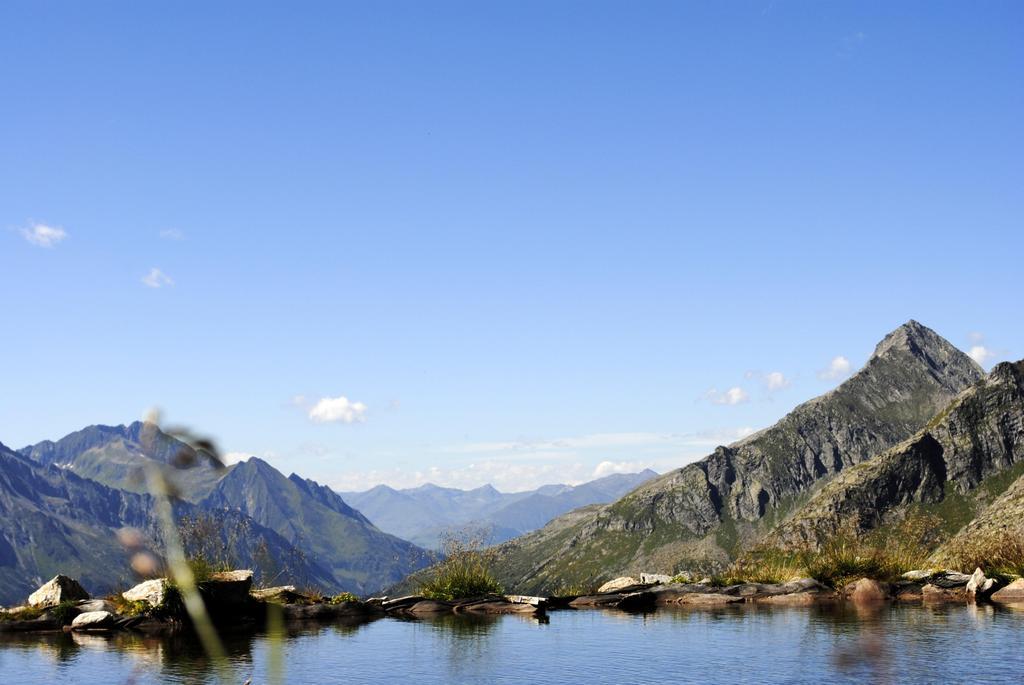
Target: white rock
x: 655, y: 578
x: 57, y: 590
x: 152, y: 591
x: 617, y: 584
x: 93, y: 620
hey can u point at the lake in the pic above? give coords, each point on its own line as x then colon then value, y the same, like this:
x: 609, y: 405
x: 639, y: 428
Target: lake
x: 746, y: 644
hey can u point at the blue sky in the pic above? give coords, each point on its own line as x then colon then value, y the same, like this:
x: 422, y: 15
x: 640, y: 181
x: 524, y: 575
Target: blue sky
x: 527, y: 242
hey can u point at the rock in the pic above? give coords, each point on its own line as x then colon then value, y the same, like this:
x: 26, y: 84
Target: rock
x: 59, y: 589
x: 924, y: 574
x: 605, y: 600
x: 284, y: 594
x: 227, y: 587
x: 399, y: 603
x: 709, y: 599
x: 496, y: 606
x: 866, y: 591
x: 151, y: 591
x: 93, y: 620
x: 636, y: 601
x: 1011, y: 594
x: 88, y: 605
x: 979, y: 585
x: 655, y: 579
x: 429, y: 606
x: 950, y: 579
x: 618, y: 584
x: 798, y: 598
x: 937, y: 593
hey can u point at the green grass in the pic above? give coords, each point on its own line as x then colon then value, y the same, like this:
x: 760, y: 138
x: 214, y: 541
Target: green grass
x: 465, y: 572
x: 343, y: 598
x: 883, y: 555
x: 997, y: 554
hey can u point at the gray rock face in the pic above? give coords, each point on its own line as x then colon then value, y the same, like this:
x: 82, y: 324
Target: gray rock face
x: 979, y: 435
x: 708, y: 511
x: 93, y: 620
x: 59, y: 589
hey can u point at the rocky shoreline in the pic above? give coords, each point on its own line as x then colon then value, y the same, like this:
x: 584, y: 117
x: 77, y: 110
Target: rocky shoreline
x: 150, y: 607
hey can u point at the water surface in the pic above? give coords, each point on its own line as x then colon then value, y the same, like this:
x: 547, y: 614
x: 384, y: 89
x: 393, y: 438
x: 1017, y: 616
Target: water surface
x: 747, y: 644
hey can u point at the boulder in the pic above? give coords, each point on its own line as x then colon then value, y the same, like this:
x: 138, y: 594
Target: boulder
x: 979, y: 585
x: 151, y: 591
x: 636, y: 601
x: 608, y: 599
x: 797, y: 598
x: 923, y: 574
x: 88, y: 605
x: 866, y: 591
x: 618, y: 584
x: 950, y: 579
x: 59, y: 589
x: 227, y: 587
x: 937, y: 593
x: 429, y: 606
x: 655, y: 579
x: 93, y: 620
x: 708, y: 599
x: 1011, y: 594
x: 284, y: 594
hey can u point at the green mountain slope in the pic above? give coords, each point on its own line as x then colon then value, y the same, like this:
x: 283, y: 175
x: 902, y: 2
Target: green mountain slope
x: 53, y: 521
x: 359, y: 556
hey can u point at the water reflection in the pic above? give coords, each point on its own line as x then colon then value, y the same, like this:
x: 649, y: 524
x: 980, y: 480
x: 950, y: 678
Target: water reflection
x: 736, y: 643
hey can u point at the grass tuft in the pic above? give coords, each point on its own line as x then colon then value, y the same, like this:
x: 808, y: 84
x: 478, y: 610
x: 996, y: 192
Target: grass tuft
x: 464, y: 572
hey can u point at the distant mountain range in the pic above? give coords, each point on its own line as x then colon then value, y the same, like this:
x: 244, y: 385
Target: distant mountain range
x: 424, y: 515
x: 63, y: 502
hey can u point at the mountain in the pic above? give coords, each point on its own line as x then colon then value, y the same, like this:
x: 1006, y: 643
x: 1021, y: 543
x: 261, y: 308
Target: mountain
x: 359, y: 556
x: 53, y: 521
x: 705, y: 513
x: 962, y: 464
x: 325, y: 542
x: 427, y: 513
x: 118, y: 455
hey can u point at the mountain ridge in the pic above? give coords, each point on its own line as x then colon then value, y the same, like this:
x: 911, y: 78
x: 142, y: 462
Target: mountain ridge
x: 708, y: 511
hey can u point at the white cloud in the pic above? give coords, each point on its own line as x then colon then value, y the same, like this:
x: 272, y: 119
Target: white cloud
x: 156, y: 279
x: 775, y: 380
x: 337, y: 410
x: 235, y: 457
x: 42, y: 235
x: 570, y: 446
x: 607, y: 468
x: 172, y: 234
x: 732, y: 396
x: 838, y: 368
x: 980, y: 354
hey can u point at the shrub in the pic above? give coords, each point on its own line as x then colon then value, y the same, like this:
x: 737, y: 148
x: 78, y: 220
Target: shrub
x: 342, y: 598
x: 65, y: 612
x: 997, y: 554
x: 464, y: 572
x: 884, y: 554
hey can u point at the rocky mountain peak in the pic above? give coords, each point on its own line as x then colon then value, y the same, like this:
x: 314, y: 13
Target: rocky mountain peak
x: 919, y: 341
